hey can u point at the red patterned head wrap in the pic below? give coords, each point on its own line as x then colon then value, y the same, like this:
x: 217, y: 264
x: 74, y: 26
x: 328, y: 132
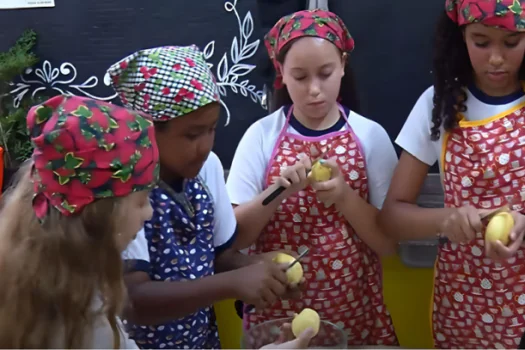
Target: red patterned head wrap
x: 86, y: 150
x: 504, y: 14
x: 317, y: 23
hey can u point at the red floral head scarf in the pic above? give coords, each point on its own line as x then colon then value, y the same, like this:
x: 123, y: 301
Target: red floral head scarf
x: 86, y: 150
x: 317, y: 23
x: 504, y: 14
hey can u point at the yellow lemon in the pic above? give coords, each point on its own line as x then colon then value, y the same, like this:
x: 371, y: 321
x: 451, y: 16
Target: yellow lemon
x: 499, y: 228
x: 307, y: 318
x: 320, y: 173
x: 295, y: 273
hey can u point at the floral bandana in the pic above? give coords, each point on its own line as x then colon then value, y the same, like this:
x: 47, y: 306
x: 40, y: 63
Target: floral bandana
x: 86, y: 150
x: 504, y: 14
x: 165, y: 82
x: 319, y: 23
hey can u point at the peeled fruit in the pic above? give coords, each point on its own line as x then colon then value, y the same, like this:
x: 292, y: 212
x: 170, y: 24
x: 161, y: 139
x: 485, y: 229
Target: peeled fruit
x: 499, y: 228
x: 307, y: 318
x: 320, y: 172
x: 295, y: 273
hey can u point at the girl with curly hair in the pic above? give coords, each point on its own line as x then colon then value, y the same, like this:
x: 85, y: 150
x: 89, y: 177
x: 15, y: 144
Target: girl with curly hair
x: 471, y: 121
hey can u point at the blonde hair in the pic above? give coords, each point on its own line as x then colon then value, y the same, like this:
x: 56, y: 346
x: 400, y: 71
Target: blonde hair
x: 51, y: 273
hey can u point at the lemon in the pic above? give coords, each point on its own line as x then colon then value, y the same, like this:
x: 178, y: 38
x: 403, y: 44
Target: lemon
x: 320, y: 173
x: 295, y: 273
x: 499, y: 228
x: 307, y: 318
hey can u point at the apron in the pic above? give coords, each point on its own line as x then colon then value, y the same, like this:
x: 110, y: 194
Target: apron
x: 181, y: 248
x: 343, y: 275
x: 479, y: 303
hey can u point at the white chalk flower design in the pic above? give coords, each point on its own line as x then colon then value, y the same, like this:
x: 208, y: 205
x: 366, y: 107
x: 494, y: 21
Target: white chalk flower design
x: 61, y: 80
x: 230, y: 75
x: 233, y: 75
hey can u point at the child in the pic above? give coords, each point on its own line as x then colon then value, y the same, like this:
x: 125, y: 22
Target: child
x: 471, y: 122
x: 336, y: 218
x: 77, y: 204
x: 172, y: 281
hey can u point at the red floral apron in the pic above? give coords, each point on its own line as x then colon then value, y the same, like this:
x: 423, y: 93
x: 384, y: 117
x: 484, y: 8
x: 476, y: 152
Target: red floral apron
x: 479, y: 303
x: 343, y: 275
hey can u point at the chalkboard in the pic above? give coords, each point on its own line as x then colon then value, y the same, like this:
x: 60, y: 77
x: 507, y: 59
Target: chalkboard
x: 79, y: 39
x: 393, y: 55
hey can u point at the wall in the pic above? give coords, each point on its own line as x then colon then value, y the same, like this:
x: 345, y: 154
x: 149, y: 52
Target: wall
x: 80, y: 39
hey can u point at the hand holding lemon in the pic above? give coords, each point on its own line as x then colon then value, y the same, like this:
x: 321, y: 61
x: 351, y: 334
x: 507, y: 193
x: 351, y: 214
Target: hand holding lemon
x: 499, y: 228
x: 319, y: 173
x: 294, y: 273
x: 306, y: 319
x: 504, y: 234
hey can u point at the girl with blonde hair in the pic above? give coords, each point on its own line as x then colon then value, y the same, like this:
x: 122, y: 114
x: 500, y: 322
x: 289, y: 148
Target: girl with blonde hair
x: 75, y: 206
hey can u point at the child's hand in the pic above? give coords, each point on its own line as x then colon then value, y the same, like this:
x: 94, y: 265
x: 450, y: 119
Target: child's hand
x: 498, y: 251
x: 462, y: 224
x: 334, y: 190
x: 295, y: 291
x: 292, y: 291
x: 260, y: 284
x: 286, y: 339
x: 295, y: 178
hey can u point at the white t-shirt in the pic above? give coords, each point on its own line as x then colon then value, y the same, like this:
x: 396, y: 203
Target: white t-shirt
x: 212, y: 173
x: 415, y: 134
x: 98, y: 335
x: 247, y: 174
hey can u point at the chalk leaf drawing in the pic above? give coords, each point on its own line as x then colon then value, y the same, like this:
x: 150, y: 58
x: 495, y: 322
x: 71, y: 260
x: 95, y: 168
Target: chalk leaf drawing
x: 61, y: 80
x: 230, y: 75
x: 233, y: 75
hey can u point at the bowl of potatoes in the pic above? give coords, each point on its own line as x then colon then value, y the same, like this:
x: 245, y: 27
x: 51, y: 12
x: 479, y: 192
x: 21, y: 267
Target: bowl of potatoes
x: 328, y: 335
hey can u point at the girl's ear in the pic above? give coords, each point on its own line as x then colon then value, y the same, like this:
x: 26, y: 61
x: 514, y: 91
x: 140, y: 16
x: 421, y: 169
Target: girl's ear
x: 344, y: 62
x: 280, y: 65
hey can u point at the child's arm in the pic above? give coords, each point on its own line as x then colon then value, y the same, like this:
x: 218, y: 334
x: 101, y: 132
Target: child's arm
x: 253, y: 216
x: 157, y: 302
x: 362, y: 215
x: 231, y: 259
x: 246, y: 185
x: 401, y: 217
x: 226, y: 238
x: 381, y: 160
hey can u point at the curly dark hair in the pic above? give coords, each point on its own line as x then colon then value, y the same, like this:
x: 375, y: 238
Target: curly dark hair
x: 452, y: 72
x: 347, y: 92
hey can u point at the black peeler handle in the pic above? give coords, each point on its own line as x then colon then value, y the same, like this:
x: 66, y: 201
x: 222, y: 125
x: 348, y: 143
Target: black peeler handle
x: 281, y: 189
x: 277, y: 192
x: 273, y: 195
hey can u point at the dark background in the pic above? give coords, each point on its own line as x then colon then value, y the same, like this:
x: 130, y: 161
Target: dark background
x: 392, y: 59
